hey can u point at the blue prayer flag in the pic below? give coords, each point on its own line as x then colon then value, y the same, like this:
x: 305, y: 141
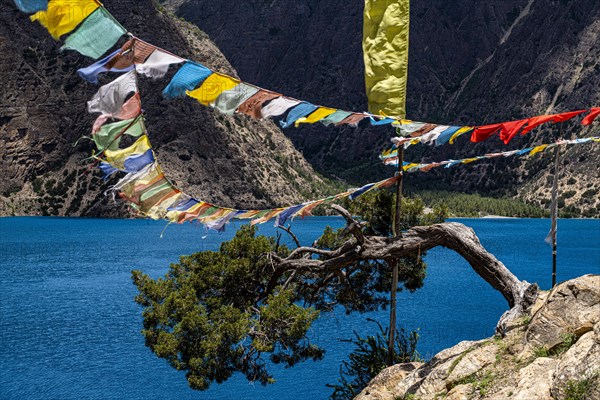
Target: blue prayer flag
x: 301, y: 110
x: 137, y: 163
x: 31, y: 6
x: 91, y: 72
x: 189, y: 76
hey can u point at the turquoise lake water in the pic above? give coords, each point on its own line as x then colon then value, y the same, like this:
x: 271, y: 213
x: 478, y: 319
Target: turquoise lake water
x: 69, y: 328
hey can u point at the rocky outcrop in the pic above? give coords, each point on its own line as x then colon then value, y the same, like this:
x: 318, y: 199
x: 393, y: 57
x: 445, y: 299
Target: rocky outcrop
x: 554, y: 354
x: 231, y: 161
x: 470, y: 62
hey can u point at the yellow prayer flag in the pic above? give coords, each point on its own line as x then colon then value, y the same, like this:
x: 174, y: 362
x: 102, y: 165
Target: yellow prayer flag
x: 459, y: 132
x: 143, y: 180
x: 538, y: 149
x: 316, y: 116
x: 385, y: 48
x: 212, y: 87
x: 248, y: 214
x: 159, y: 210
x: 117, y: 158
x: 63, y: 16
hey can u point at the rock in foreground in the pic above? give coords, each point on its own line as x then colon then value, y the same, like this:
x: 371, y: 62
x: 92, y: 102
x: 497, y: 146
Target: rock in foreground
x: 552, y: 355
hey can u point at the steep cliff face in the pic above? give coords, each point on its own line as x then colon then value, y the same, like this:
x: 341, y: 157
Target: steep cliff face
x: 470, y: 62
x: 233, y: 161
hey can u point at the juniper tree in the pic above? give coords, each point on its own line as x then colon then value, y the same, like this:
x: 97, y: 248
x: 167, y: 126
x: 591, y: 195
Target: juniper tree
x: 216, y: 313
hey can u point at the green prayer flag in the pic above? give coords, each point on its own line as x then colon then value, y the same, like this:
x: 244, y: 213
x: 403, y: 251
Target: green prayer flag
x: 96, y: 35
x: 385, y: 48
x: 109, y: 136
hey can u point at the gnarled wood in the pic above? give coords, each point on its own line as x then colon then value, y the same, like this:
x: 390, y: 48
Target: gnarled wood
x: 520, y: 295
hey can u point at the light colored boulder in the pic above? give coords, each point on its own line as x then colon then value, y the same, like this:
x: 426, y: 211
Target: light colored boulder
x: 471, y: 363
x: 580, y: 362
x: 572, y: 306
x: 382, y: 386
x: 429, y: 379
x: 535, y: 380
x: 460, y: 392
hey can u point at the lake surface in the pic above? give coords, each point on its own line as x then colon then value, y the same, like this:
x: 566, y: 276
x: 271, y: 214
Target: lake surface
x: 69, y: 328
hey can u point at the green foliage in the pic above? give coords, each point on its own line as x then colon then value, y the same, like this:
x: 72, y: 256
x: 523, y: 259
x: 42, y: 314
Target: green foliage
x: 368, y: 285
x: 211, y: 315
x: 541, y: 351
x: 474, y: 205
x: 369, y: 358
x: 219, y: 313
x: 37, y: 185
x: 480, y: 383
x: 581, y: 389
x: 377, y: 209
x: 484, y: 383
x: 568, y: 340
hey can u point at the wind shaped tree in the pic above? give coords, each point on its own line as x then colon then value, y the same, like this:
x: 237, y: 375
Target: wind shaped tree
x: 217, y: 313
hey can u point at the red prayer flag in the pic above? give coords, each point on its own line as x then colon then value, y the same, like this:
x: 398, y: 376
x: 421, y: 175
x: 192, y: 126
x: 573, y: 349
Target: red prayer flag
x: 534, y: 122
x: 483, y: 132
x: 594, y: 112
x: 555, y: 118
x: 511, y: 129
x: 567, y: 116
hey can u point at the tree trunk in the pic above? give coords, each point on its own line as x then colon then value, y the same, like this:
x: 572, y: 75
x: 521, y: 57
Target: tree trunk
x: 520, y: 295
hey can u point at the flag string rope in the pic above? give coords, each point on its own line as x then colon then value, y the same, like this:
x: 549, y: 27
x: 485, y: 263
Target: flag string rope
x: 392, y: 160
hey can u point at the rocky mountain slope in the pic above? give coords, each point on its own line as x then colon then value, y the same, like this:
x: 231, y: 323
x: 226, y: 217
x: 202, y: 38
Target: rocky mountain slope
x: 552, y: 355
x: 234, y: 162
x: 471, y: 62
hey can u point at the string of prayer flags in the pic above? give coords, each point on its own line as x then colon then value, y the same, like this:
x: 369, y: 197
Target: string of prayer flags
x: 390, y: 157
x: 93, y: 31
x: 96, y: 35
x: 31, y: 6
x: 215, y: 217
x: 144, y: 185
x: 63, y: 16
x: 420, y: 132
x: 98, y: 31
x: 267, y: 104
